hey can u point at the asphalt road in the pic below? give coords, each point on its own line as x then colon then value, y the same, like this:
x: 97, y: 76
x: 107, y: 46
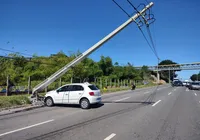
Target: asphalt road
x: 163, y: 113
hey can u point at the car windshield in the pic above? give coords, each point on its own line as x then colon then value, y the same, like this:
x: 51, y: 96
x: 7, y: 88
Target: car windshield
x: 93, y: 87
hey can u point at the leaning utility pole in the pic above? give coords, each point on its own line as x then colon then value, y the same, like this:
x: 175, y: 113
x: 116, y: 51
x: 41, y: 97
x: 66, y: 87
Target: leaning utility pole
x: 77, y: 60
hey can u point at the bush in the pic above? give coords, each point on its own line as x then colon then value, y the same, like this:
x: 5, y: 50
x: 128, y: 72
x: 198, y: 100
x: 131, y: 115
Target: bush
x: 9, y: 101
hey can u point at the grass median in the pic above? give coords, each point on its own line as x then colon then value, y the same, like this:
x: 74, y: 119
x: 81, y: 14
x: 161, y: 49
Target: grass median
x: 14, y: 100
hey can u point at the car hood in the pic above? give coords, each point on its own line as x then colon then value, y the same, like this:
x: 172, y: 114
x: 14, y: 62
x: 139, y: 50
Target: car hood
x: 51, y: 92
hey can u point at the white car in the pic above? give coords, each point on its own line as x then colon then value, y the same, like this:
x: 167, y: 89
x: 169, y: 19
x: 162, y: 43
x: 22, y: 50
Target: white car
x: 84, y: 94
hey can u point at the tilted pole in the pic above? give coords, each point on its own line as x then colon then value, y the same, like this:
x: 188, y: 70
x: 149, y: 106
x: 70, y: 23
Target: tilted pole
x: 77, y: 60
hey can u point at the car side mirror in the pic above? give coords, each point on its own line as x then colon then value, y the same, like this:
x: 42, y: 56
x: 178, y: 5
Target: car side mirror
x: 57, y: 91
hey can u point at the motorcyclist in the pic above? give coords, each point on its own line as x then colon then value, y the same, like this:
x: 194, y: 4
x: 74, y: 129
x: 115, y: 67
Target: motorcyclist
x: 133, y: 86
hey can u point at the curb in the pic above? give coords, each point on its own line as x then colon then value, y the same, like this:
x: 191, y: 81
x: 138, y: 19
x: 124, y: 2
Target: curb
x: 17, y: 110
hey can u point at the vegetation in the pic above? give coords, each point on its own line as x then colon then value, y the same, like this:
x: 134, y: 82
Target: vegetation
x: 15, y: 100
x: 165, y: 74
x: 195, y: 77
x: 38, y: 68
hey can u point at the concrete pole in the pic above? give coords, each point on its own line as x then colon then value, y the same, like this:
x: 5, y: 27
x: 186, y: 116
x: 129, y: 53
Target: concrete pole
x: 60, y: 83
x: 169, y: 76
x: 7, y: 87
x: 29, y: 84
x: 71, y: 79
x: 158, y: 76
x: 118, y: 82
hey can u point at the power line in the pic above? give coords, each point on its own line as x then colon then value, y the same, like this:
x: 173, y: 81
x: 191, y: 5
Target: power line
x: 148, y: 31
x: 15, y: 52
x: 151, y: 39
x: 28, y: 60
x: 152, y: 47
x: 121, y: 8
x: 148, y: 43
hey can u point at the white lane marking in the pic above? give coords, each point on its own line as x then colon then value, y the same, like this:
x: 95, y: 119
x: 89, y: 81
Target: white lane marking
x: 156, y: 103
x: 110, y: 136
x: 199, y: 101
x: 122, y: 99
x: 20, y: 129
x: 169, y: 93
x: 146, y: 92
x: 195, y: 94
x: 187, y: 89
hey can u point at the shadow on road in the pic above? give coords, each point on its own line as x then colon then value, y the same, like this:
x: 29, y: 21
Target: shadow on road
x: 136, y: 102
x: 78, y: 106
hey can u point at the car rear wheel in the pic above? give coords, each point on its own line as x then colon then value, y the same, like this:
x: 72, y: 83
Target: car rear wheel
x: 49, y: 101
x: 85, y: 104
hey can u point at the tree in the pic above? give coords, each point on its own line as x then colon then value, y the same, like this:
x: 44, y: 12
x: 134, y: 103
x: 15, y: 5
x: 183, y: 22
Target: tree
x: 195, y: 77
x: 165, y: 74
x: 39, y: 68
x: 145, y: 72
x: 106, y: 65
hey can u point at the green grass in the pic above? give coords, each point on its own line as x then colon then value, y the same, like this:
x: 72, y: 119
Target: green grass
x: 15, y: 100
x: 114, y: 89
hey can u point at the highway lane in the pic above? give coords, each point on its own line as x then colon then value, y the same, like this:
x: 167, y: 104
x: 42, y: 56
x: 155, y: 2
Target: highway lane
x: 24, y: 119
x: 123, y: 116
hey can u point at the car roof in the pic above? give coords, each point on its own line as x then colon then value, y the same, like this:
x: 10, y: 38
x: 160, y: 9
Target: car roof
x: 85, y: 83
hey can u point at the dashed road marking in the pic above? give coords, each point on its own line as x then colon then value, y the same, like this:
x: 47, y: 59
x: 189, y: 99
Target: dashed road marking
x: 195, y: 94
x: 169, y: 93
x: 110, y: 136
x: 156, y: 103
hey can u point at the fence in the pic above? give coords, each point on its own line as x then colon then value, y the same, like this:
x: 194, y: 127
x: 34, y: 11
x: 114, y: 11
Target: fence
x: 101, y: 83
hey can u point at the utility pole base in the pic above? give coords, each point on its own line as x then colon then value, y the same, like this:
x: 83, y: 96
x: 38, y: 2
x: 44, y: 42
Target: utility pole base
x: 37, y: 100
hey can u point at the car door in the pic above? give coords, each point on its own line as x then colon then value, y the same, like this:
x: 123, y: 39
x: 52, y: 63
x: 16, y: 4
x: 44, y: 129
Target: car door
x: 65, y: 99
x: 76, y: 91
x: 62, y: 93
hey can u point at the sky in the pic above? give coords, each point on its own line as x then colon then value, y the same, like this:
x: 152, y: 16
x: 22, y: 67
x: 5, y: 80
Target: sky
x: 46, y: 27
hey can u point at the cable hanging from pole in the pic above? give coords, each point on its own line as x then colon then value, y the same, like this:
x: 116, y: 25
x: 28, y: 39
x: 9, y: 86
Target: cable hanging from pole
x: 147, y: 20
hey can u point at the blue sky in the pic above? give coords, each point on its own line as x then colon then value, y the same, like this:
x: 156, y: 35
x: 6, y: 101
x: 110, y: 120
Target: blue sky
x: 46, y: 27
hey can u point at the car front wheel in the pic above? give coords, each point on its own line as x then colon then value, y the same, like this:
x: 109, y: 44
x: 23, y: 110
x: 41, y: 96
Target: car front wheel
x: 85, y: 104
x: 49, y: 101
